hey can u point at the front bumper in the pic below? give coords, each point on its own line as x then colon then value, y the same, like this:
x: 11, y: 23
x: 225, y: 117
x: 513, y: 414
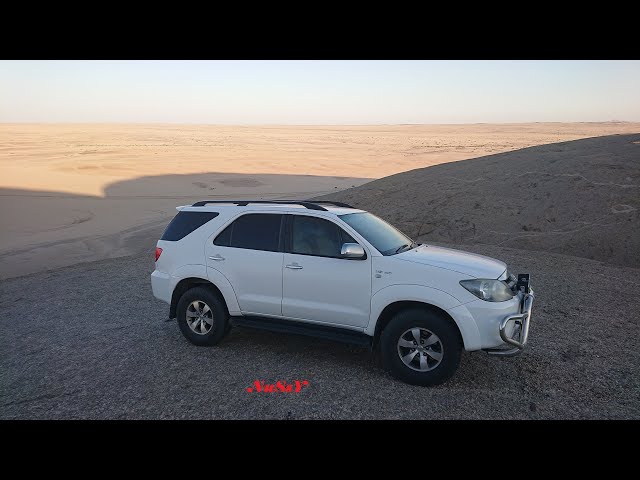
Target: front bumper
x: 520, y: 333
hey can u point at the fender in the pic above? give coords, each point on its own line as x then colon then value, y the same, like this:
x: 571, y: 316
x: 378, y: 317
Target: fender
x: 223, y: 284
x: 419, y: 293
x: 213, y: 276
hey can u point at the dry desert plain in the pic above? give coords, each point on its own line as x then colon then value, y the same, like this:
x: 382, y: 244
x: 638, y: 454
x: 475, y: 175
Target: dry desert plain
x: 89, y: 341
x: 77, y: 193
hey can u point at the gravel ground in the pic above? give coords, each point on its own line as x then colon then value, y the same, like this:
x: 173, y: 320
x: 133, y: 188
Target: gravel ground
x: 91, y: 342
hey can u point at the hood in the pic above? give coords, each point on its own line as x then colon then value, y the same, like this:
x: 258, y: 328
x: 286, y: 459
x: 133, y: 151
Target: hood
x: 477, y: 266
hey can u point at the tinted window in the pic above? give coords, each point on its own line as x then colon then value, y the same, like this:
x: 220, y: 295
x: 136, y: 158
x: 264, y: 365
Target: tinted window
x: 224, y: 238
x: 387, y: 239
x: 257, y: 231
x: 184, y: 223
x: 315, y: 236
x: 346, y: 238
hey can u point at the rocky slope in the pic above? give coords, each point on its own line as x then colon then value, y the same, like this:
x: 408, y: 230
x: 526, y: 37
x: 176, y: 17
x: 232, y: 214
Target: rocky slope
x: 578, y: 198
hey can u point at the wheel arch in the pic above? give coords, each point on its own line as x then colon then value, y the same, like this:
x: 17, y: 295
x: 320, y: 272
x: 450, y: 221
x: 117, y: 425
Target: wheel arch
x: 188, y: 283
x: 393, y: 308
x: 390, y: 300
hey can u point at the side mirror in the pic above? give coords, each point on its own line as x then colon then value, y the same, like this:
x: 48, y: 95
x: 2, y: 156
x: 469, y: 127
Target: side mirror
x: 353, y: 251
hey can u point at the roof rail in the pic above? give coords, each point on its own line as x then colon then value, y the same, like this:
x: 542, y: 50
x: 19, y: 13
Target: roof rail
x: 310, y: 204
x: 244, y: 203
x: 329, y: 202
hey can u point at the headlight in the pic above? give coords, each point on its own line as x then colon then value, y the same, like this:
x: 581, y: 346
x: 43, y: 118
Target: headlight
x: 489, y: 290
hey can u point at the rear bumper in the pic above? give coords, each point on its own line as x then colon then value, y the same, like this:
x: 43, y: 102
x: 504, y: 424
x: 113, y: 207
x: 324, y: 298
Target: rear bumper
x: 161, y: 286
x: 514, y: 329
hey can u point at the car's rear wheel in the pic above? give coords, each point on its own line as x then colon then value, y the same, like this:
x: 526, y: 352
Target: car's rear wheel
x: 202, y: 316
x: 420, y: 347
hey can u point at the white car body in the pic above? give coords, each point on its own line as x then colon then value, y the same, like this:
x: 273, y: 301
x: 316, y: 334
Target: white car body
x: 335, y: 292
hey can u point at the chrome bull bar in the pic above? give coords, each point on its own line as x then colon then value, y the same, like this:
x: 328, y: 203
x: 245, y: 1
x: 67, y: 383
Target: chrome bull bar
x: 523, y: 319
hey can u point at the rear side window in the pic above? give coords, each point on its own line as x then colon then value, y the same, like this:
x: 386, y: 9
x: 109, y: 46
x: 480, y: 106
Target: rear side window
x: 255, y: 231
x: 224, y: 238
x: 186, y: 222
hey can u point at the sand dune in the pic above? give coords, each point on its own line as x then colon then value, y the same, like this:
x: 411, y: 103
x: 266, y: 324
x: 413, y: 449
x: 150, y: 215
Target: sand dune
x: 43, y: 230
x: 77, y: 193
x: 578, y: 198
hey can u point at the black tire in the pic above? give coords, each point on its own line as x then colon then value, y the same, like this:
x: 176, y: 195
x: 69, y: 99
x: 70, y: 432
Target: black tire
x: 219, y: 316
x: 449, y: 345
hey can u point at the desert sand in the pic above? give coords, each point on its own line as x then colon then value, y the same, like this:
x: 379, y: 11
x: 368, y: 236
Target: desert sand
x: 78, y: 193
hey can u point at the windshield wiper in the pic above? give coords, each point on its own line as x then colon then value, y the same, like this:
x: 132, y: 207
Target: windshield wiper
x: 401, y: 247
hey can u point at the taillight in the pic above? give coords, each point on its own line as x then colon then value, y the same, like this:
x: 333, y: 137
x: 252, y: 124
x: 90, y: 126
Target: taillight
x: 158, y: 253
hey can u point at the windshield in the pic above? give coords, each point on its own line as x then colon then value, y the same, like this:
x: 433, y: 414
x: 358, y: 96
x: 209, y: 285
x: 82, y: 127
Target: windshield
x: 388, y: 240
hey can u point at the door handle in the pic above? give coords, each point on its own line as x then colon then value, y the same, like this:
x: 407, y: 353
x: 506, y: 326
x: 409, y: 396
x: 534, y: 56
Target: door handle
x: 294, y: 266
x: 216, y: 257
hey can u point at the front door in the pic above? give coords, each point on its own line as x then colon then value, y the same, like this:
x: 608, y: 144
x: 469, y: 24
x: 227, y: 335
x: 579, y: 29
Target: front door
x: 317, y: 284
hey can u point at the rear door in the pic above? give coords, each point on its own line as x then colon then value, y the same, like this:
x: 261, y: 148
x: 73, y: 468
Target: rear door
x: 249, y: 253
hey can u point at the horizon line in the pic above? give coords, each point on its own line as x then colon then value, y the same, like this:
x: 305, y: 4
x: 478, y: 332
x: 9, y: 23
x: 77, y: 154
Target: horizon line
x: 305, y: 124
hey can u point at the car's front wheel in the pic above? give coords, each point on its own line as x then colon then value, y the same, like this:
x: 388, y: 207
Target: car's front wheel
x: 202, y: 316
x: 420, y: 347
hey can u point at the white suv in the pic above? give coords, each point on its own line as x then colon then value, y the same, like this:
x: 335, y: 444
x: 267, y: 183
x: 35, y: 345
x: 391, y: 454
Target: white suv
x: 333, y: 271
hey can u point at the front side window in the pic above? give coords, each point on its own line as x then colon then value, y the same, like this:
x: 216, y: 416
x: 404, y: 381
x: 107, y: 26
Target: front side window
x: 315, y: 236
x: 254, y: 231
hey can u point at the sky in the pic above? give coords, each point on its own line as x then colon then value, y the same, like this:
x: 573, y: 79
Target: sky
x: 315, y: 92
